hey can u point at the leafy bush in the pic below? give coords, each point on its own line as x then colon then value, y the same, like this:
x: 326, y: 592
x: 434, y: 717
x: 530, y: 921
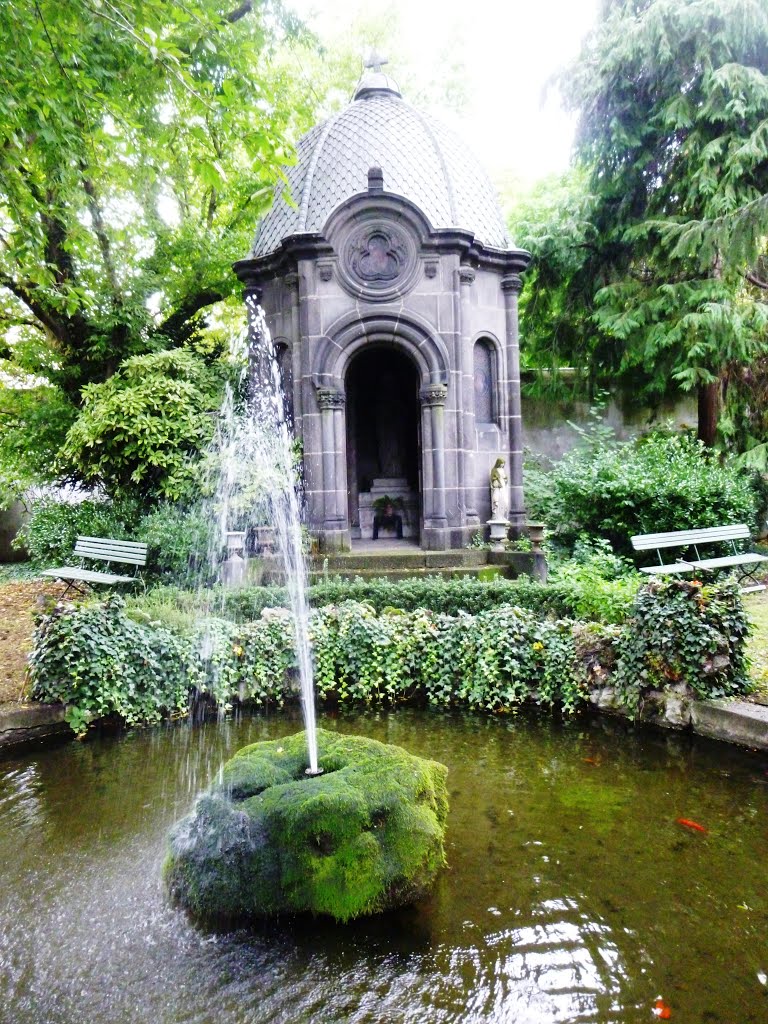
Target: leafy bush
x: 178, y: 539
x: 98, y: 662
x: 683, y: 632
x: 50, y: 533
x: 602, y: 585
x: 143, y: 429
x: 653, y: 484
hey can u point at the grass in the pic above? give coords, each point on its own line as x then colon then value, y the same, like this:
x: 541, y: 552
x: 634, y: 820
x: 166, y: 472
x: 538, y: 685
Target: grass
x: 757, y: 650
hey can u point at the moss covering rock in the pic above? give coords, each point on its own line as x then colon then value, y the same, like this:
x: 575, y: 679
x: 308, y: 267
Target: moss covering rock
x: 363, y: 837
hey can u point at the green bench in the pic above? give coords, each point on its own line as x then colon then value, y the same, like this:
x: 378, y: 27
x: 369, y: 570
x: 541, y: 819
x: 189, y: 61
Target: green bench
x: 100, y: 549
x: 745, y: 563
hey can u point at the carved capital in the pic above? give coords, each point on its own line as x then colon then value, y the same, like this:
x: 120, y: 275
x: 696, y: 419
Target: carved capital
x: 466, y: 275
x: 325, y: 270
x: 512, y: 283
x: 433, y: 394
x: 431, y: 268
x: 292, y: 280
x: 330, y: 398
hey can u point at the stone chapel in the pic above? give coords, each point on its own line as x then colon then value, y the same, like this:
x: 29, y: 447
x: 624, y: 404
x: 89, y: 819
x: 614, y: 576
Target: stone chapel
x: 390, y: 287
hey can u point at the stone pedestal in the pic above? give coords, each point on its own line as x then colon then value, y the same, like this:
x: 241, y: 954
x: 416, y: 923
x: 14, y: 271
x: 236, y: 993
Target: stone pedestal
x: 391, y: 487
x: 499, y: 529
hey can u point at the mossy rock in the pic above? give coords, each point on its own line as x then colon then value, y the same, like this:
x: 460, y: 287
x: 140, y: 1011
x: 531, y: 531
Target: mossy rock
x: 363, y: 837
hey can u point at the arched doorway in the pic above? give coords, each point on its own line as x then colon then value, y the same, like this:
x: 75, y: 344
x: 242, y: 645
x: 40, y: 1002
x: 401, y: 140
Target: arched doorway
x: 383, y: 446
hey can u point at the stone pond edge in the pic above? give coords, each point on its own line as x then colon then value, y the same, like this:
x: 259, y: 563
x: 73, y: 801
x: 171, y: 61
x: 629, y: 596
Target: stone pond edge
x: 731, y: 721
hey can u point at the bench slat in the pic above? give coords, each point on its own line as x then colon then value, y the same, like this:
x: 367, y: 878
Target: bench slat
x: 674, y: 567
x: 72, y: 572
x: 719, y: 563
x: 684, y: 538
x: 130, y: 552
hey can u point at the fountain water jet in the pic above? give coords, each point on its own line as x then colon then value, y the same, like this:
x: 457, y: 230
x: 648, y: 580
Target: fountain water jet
x: 256, y: 464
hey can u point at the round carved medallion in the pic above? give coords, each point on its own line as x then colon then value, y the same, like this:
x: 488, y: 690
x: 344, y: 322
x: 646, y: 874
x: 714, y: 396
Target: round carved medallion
x: 378, y: 260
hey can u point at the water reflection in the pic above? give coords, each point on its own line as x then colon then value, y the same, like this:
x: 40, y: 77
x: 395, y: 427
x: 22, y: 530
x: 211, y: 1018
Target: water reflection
x: 572, y: 895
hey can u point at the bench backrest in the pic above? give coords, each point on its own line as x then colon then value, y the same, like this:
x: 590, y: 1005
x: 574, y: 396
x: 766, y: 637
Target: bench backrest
x: 106, y: 550
x: 684, y: 538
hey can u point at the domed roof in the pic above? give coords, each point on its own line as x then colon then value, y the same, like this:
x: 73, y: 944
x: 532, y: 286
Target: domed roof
x: 420, y: 158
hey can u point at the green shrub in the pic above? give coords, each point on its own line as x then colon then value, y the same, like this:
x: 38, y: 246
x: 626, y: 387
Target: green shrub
x: 50, y: 533
x: 98, y: 662
x: 602, y: 586
x: 682, y: 632
x: 178, y: 540
x: 653, y: 484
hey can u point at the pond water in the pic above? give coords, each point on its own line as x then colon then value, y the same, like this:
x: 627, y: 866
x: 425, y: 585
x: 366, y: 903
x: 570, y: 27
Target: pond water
x: 573, y: 894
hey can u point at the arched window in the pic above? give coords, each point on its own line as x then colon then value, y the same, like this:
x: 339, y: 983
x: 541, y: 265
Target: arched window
x: 485, y: 381
x: 285, y: 365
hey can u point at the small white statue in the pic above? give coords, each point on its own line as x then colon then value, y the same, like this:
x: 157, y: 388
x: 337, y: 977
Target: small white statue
x: 499, y: 492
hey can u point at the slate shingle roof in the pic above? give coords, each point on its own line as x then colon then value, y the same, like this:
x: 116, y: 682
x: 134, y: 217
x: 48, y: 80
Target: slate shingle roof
x: 421, y: 159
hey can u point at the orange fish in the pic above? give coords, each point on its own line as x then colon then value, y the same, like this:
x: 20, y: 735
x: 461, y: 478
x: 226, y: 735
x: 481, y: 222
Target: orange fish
x: 590, y: 760
x: 691, y: 824
x: 661, y: 1009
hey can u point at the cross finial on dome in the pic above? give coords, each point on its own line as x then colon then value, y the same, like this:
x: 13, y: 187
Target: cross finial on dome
x: 375, y: 60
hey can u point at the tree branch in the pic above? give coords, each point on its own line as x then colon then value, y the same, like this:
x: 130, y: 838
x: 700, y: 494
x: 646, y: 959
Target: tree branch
x: 756, y: 281
x: 239, y: 12
x: 46, y: 318
x: 174, y: 324
x: 100, y: 232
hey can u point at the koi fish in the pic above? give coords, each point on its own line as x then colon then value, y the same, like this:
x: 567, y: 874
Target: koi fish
x: 590, y: 760
x: 661, y: 1010
x: 691, y: 824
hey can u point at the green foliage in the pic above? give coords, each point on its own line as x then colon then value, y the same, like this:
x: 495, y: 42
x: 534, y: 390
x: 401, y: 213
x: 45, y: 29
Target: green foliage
x: 363, y: 837
x: 178, y: 540
x: 492, y: 661
x: 33, y: 424
x: 674, y: 101
x: 653, y: 484
x: 559, y: 598
x: 142, y: 430
x: 50, y: 533
x: 139, y: 143
x: 602, y: 584
x: 683, y: 632
x: 98, y: 662
x: 659, y: 270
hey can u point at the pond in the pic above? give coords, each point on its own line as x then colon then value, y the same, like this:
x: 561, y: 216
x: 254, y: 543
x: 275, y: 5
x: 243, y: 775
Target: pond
x: 572, y: 893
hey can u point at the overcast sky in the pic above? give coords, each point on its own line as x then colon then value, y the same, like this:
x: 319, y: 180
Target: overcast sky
x: 508, y: 49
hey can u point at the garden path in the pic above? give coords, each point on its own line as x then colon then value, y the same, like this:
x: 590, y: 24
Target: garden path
x: 19, y: 603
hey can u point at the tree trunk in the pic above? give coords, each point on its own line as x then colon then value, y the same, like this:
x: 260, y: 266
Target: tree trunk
x: 709, y: 410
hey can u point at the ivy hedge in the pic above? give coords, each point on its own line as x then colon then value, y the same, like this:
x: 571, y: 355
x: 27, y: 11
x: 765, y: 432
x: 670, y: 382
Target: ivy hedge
x: 98, y: 660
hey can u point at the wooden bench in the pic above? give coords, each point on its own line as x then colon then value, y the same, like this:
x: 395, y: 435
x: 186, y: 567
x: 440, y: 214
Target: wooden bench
x: 745, y: 563
x: 100, y: 549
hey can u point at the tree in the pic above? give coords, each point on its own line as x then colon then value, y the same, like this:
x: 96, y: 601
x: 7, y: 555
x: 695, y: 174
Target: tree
x: 139, y: 141
x: 673, y: 101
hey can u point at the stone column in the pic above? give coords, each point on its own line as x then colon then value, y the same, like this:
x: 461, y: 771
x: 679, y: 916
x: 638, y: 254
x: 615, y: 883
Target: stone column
x: 511, y: 286
x: 291, y: 282
x: 467, y: 436
x: 334, y: 484
x: 433, y: 398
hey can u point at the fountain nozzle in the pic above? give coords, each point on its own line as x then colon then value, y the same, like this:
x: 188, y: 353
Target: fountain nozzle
x: 313, y: 771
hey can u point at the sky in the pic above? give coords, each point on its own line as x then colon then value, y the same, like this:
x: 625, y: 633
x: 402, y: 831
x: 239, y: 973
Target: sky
x: 506, y: 51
